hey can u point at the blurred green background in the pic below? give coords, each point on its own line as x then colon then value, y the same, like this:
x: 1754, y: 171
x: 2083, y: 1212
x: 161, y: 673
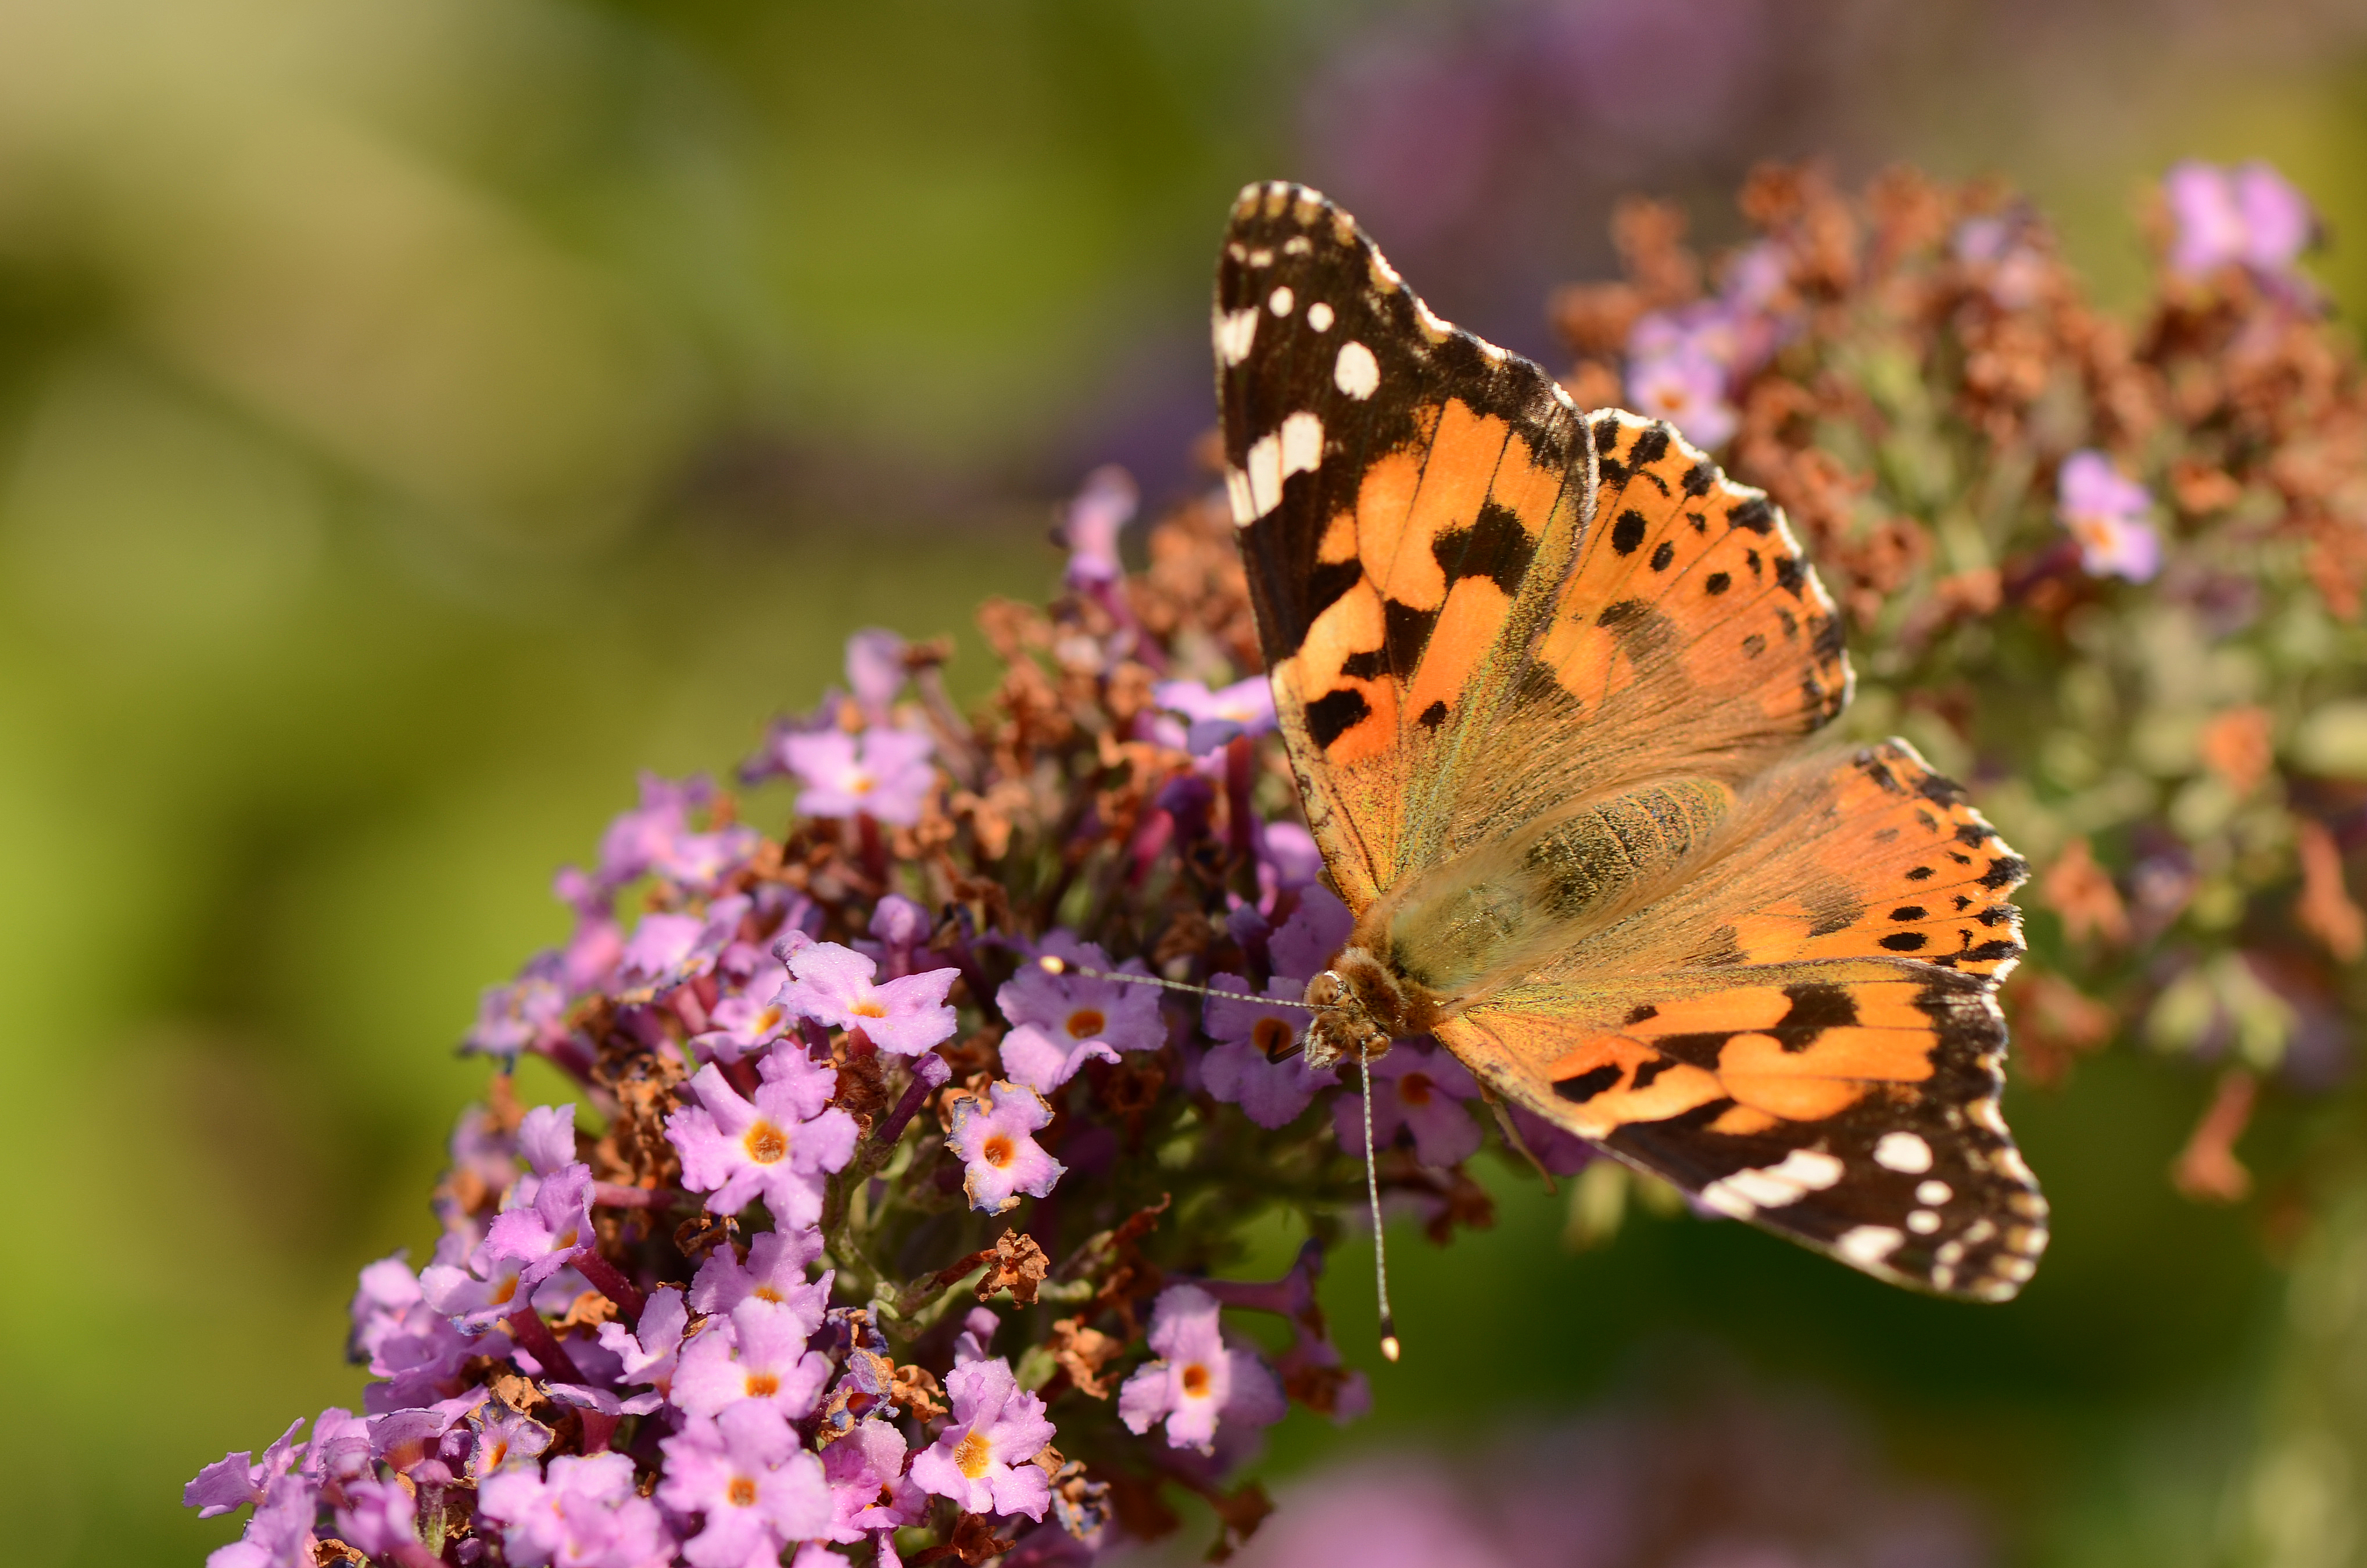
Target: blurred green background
x: 417, y: 415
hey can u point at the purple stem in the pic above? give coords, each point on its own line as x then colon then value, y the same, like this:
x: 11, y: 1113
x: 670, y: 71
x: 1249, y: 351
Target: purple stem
x: 534, y: 1335
x: 1238, y: 762
x: 610, y: 1281
x: 613, y: 1195
x: 598, y: 1430
x: 929, y: 1072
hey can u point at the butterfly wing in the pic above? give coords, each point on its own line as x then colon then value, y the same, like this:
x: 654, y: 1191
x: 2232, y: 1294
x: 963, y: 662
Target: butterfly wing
x: 1806, y: 1034
x: 1477, y: 604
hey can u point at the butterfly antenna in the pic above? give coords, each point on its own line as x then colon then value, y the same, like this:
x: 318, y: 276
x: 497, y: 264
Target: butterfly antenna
x: 1389, y: 1346
x: 1051, y: 964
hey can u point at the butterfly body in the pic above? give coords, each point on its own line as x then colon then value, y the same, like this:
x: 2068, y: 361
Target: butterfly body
x: 1545, y: 678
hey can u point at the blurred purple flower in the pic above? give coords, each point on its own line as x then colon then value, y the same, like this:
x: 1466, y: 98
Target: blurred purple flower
x: 832, y: 985
x: 982, y: 1459
x: 1196, y: 1380
x: 778, y: 1147
x: 993, y: 1132
x: 2105, y: 512
x: 1244, y: 708
x: 1306, y: 944
x: 875, y: 672
x: 1686, y: 387
x: 530, y: 1011
x: 648, y: 1351
x: 279, y: 1534
x: 750, y: 1018
x: 237, y: 1478
x: 884, y: 773
x: 1032, y: 1057
x: 1104, y: 503
x: 584, y: 1514
x: 868, y: 1488
x: 2248, y: 216
x: 1248, y: 1066
x: 543, y: 1236
x: 378, y: 1517
x: 1419, y: 1088
x: 667, y: 950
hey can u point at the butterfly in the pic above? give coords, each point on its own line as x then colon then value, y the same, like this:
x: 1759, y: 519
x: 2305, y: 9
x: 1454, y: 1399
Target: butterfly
x: 1546, y: 679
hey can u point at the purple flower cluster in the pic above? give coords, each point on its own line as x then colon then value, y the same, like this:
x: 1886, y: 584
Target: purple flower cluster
x: 1685, y: 363
x: 2249, y: 216
x: 2105, y: 512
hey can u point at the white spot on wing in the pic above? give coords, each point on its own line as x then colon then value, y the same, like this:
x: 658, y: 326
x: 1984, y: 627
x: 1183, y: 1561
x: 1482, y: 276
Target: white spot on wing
x: 1801, y: 1172
x: 1237, y: 491
x: 1922, y: 1221
x: 1296, y: 447
x: 1234, y: 333
x: 1933, y: 1193
x: 1867, y: 1246
x: 1904, y: 1153
x: 1261, y: 258
x: 1357, y: 373
x: 1318, y: 316
x: 1298, y: 245
x: 1281, y: 300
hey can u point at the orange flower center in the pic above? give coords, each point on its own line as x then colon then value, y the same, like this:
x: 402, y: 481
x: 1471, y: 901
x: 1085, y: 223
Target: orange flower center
x: 1272, y: 1037
x: 741, y: 1492
x: 998, y: 1151
x: 869, y: 1009
x: 768, y: 1293
x: 1415, y: 1088
x: 973, y: 1454
x: 1086, y: 1023
x: 504, y: 1290
x: 767, y: 1144
x: 762, y: 1385
x: 863, y: 784
x: 1195, y: 1382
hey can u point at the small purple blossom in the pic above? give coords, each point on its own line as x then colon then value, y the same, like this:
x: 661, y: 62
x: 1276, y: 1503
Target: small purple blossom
x: 530, y: 1011
x: 656, y: 838
x: 667, y: 950
x: 1032, y: 1057
x: 505, y: 1438
x: 884, y: 773
x: 1196, y: 1380
x: 378, y: 1517
x: 649, y: 1350
x: 2106, y: 513
x: 777, y: 1147
x: 237, y: 1478
x: 1072, y: 1008
x: 1103, y: 506
x: 1418, y: 1089
x: 750, y: 1016
x: 2248, y: 216
x: 584, y: 1513
x: 1244, y: 708
x: 1687, y: 387
x: 758, y: 1353
x: 279, y: 1534
x: 1305, y: 945
x: 1252, y: 1065
x: 759, y: 1490
x: 775, y: 1273
x: 832, y: 985
x: 542, y: 1237
x: 868, y: 1488
x: 982, y: 1459
x: 875, y: 671
x: 994, y: 1134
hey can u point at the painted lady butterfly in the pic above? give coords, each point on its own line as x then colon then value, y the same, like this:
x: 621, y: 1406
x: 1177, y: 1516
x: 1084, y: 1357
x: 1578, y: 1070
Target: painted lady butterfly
x: 1545, y: 678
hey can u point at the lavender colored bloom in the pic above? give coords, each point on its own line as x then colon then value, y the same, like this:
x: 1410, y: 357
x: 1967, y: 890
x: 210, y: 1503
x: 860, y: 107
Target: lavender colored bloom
x: 875, y: 671
x: 903, y: 1017
x: 584, y: 1513
x: 1103, y: 506
x: 759, y: 1491
x: 994, y: 1135
x: 237, y: 1478
x: 1198, y: 1379
x: 868, y: 1488
x: 1560, y: 1153
x: 1244, y: 708
x: 883, y: 774
x: 1685, y: 386
x: 982, y: 1459
x: 758, y: 1353
x: 279, y: 1534
x: 543, y: 1237
x: 1071, y: 1010
x: 1306, y: 944
x: 901, y: 927
x: 505, y: 1438
x: 656, y: 838
x: 752, y: 1018
x: 1032, y: 1057
x: 2249, y: 216
x: 777, y: 1148
x: 530, y: 1011
x: 1288, y: 858
x: 377, y: 1516
x: 649, y: 1350
x: 774, y: 1274
x: 546, y: 1136
x: 2106, y: 513
x: 1418, y: 1089
x: 1248, y: 1067
x: 667, y: 950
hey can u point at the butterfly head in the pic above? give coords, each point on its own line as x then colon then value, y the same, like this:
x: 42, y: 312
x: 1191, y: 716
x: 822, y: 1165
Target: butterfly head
x: 1357, y: 1006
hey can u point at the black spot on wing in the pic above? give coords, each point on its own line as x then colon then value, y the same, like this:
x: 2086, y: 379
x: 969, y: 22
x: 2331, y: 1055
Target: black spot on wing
x: 1662, y: 554
x: 1432, y: 716
x: 1495, y: 546
x: 1699, y: 479
x: 1717, y: 582
x: 1755, y: 515
x: 2005, y: 871
x: 1790, y: 573
x: 1627, y: 533
x: 1405, y: 632
x: 1589, y: 1083
x: 1640, y: 1012
x: 1817, y: 1005
x: 1335, y: 713
x: 1905, y: 941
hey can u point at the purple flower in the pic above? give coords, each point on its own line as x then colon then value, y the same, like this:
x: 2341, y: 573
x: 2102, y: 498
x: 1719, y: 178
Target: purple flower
x: 759, y: 1491
x: 883, y: 774
x: 751, y: 1018
x: 543, y: 1237
x: 280, y: 1535
x: 982, y: 1459
x: 1288, y: 858
x: 1034, y: 1058
x: 655, y: 837
x: 903, y: 1017
x: 505, y: 1438
x: 875, y: 671
x: 993, y: 1133
x: 774, y: 1274
x: 546, y: 1136
x: 527, y: 1012
x: 647, y: 1352
x: 1198, y: 1379
x: 1103, y: 506
x: 1685, y: 386
x: 1306, y: 943
x: 584, y: 1514
x: 1072, y: 1008
x: 378, y: 1517
x: 779, y: 1148
x: 868, y: 1488
x: 667, y: 950
x: 758, y: 1353
x: 1560, y: 1153
x: 1248, y: 1067
x: 1419, y: 1088
x: 1244, y: 708
x: 2249, y: 216
x: 901, y: 926
x: 237, y: 1478
x: 2105, y: 512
